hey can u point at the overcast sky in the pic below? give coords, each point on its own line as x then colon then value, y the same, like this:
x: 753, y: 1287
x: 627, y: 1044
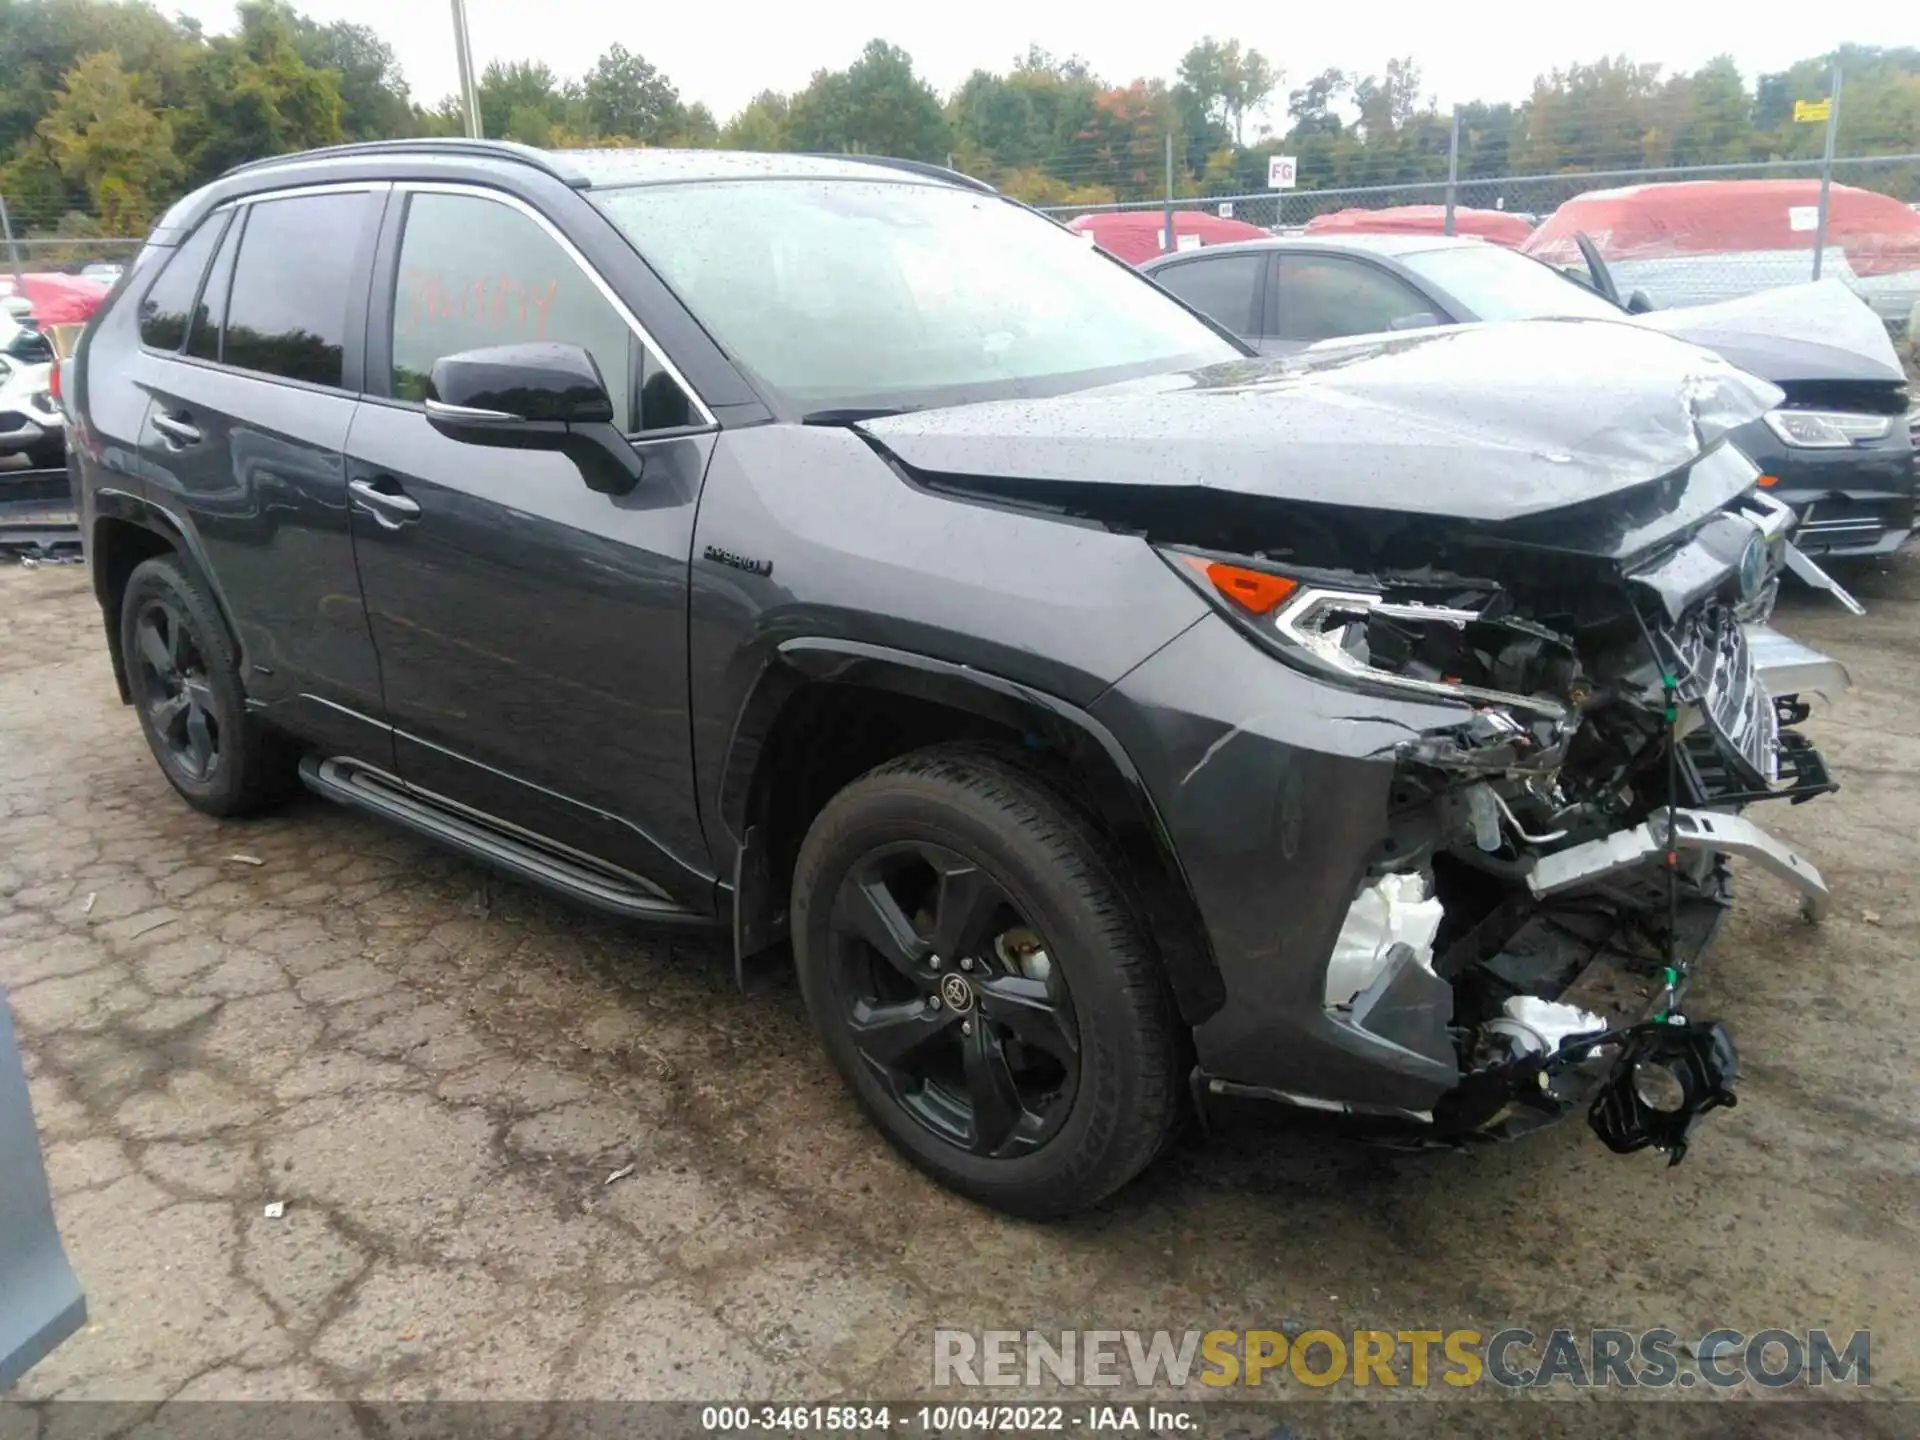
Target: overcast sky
x: 724, y: 54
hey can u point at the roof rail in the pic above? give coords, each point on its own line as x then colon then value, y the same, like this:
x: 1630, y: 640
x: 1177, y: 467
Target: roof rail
x: 424, y: 145
x: 918, y: 167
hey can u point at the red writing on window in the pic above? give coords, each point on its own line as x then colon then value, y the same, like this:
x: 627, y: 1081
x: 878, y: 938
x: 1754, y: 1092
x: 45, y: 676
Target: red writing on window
x: 427, y: 298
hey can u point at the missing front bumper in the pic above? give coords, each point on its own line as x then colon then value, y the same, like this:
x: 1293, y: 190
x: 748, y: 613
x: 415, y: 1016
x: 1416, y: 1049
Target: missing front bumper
x: 1690, y: 831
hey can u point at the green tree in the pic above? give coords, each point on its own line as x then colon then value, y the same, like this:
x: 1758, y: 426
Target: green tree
x: 1589, y: 117
x: 876, y: 106
x: 1022, y: 121
x: 760, y: 125
x: 625, y: 95
x: 250, y: 94
x: 508, y: 87
x: 374, y: 103
x: 1228, y: 83
x: 105, y: 140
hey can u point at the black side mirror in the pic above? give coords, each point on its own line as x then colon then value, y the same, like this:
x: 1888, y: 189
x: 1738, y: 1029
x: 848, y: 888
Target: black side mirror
x: 1639, y: 303
x: 534, y: 397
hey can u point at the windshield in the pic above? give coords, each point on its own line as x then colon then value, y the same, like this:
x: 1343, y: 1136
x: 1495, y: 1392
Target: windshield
x: 1498, y: 284
x: 854, y: 295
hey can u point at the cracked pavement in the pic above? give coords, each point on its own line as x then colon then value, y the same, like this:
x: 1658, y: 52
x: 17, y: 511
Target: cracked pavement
x: 437, y: 1074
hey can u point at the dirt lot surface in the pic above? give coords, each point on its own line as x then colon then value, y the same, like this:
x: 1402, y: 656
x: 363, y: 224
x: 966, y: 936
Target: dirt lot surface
x: 437, y: 1077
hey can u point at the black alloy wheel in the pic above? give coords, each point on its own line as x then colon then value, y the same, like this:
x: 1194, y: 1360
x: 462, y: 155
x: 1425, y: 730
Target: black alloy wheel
x: 952, y: 999
x: 971, y: 956
x: 175, y: 690
x: 183, y: 677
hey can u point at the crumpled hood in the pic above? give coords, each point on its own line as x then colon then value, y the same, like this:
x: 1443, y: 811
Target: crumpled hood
x: 1820, y: 331
x: 1480, y: 422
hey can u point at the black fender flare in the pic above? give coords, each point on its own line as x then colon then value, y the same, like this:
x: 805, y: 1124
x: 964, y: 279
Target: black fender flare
x: 1123, y: 802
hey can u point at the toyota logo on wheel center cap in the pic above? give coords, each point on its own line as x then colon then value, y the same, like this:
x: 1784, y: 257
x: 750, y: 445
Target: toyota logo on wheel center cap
x: 957, y: 993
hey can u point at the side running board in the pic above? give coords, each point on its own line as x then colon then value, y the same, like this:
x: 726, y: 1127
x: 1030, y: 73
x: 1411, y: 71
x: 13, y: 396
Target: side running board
x: 517, y: 854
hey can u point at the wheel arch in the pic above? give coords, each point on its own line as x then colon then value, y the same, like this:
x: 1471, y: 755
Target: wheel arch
x: 826, y: 710
x: 125, y: 531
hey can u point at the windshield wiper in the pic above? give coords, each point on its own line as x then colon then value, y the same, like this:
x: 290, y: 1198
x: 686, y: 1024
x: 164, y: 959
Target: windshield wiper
x: 854, y: 414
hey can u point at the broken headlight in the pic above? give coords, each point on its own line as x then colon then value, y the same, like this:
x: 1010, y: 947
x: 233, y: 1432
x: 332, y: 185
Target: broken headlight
x: 1454, y: 647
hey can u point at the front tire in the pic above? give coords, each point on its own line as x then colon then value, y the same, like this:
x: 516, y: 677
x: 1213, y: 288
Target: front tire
x: 184, y: 677
x: 975, y: 971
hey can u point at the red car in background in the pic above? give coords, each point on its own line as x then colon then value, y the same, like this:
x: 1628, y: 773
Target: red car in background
x: 1500, y: 226
x: 1695, y: 242
x: 56, y: 299
x: 1139, y: 235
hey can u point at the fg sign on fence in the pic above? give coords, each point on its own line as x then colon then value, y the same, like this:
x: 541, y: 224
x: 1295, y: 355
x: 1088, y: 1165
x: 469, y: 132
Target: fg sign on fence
x: 1281, y: 171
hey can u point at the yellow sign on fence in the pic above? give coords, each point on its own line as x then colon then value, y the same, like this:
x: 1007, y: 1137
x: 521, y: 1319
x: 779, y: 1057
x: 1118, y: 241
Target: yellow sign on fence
x: 1807, y: 112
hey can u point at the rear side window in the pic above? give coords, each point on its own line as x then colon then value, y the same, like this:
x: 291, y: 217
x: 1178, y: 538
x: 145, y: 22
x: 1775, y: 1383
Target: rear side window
x: 169, y: 300
x: 1225, y: 289
x: 287, y: 302
x: 203, y: 341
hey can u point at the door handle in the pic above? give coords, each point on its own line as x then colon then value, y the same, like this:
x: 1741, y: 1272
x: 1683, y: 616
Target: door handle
x: 388, y: 508
x: 176, y: 429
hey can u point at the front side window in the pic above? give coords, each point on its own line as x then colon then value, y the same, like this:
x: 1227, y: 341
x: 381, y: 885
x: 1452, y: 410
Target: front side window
x: 1323, y: 297
x: 475, y: 273
x: 169, y: 300
x: 838, y: 294
x: 287, y: 304
x: 1227, y: 288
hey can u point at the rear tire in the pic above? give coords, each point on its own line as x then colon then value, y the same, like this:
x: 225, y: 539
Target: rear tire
x: 184, y: 678
x: 1037, y: 1096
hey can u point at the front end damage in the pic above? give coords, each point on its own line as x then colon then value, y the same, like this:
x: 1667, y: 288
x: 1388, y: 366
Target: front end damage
x: 1555, y: 861
x: 1456, y: 767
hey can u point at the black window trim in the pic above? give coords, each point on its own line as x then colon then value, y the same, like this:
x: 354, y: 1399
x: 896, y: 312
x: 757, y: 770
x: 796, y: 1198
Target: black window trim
x: 353, y: 348
x: 1261, y: 285
x: 383, y: 295
x: 236, y: 226
x: 219, y: 218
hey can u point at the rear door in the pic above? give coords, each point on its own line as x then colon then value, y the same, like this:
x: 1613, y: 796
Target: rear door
x: 40, y: 1301
x: 252, y: 396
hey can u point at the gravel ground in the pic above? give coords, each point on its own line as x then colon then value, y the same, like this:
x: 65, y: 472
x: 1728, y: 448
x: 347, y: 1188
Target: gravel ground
x: 437, y: 1076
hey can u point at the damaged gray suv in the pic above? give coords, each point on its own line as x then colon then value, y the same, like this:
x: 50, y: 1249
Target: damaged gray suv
x: 831, y: 550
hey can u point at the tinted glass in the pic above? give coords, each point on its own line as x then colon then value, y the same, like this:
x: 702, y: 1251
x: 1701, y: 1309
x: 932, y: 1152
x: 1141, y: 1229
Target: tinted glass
x: 1322, y: 297
x: 287, y: 314
x: 208, y: 316
x: 163, y: 313
x: 1224, y: 288
x: 475, y: 273
x: 840, y: 294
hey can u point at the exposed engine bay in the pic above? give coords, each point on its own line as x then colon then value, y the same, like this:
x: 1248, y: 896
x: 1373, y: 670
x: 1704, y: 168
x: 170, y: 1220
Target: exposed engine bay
x: 1558, y: 859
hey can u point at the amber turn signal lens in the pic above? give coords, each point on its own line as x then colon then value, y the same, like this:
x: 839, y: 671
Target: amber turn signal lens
x: 1254, y: 591
x: 1767, y: 482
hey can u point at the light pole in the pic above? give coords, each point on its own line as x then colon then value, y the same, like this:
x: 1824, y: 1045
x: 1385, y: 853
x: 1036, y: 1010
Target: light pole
x: 463, y: 51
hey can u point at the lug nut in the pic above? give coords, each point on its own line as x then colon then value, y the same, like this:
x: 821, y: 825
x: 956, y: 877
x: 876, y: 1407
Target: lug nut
x: 934, y: 962
x: 966, y: 1027
x: 966, y: 964
x: 933, y: 1002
